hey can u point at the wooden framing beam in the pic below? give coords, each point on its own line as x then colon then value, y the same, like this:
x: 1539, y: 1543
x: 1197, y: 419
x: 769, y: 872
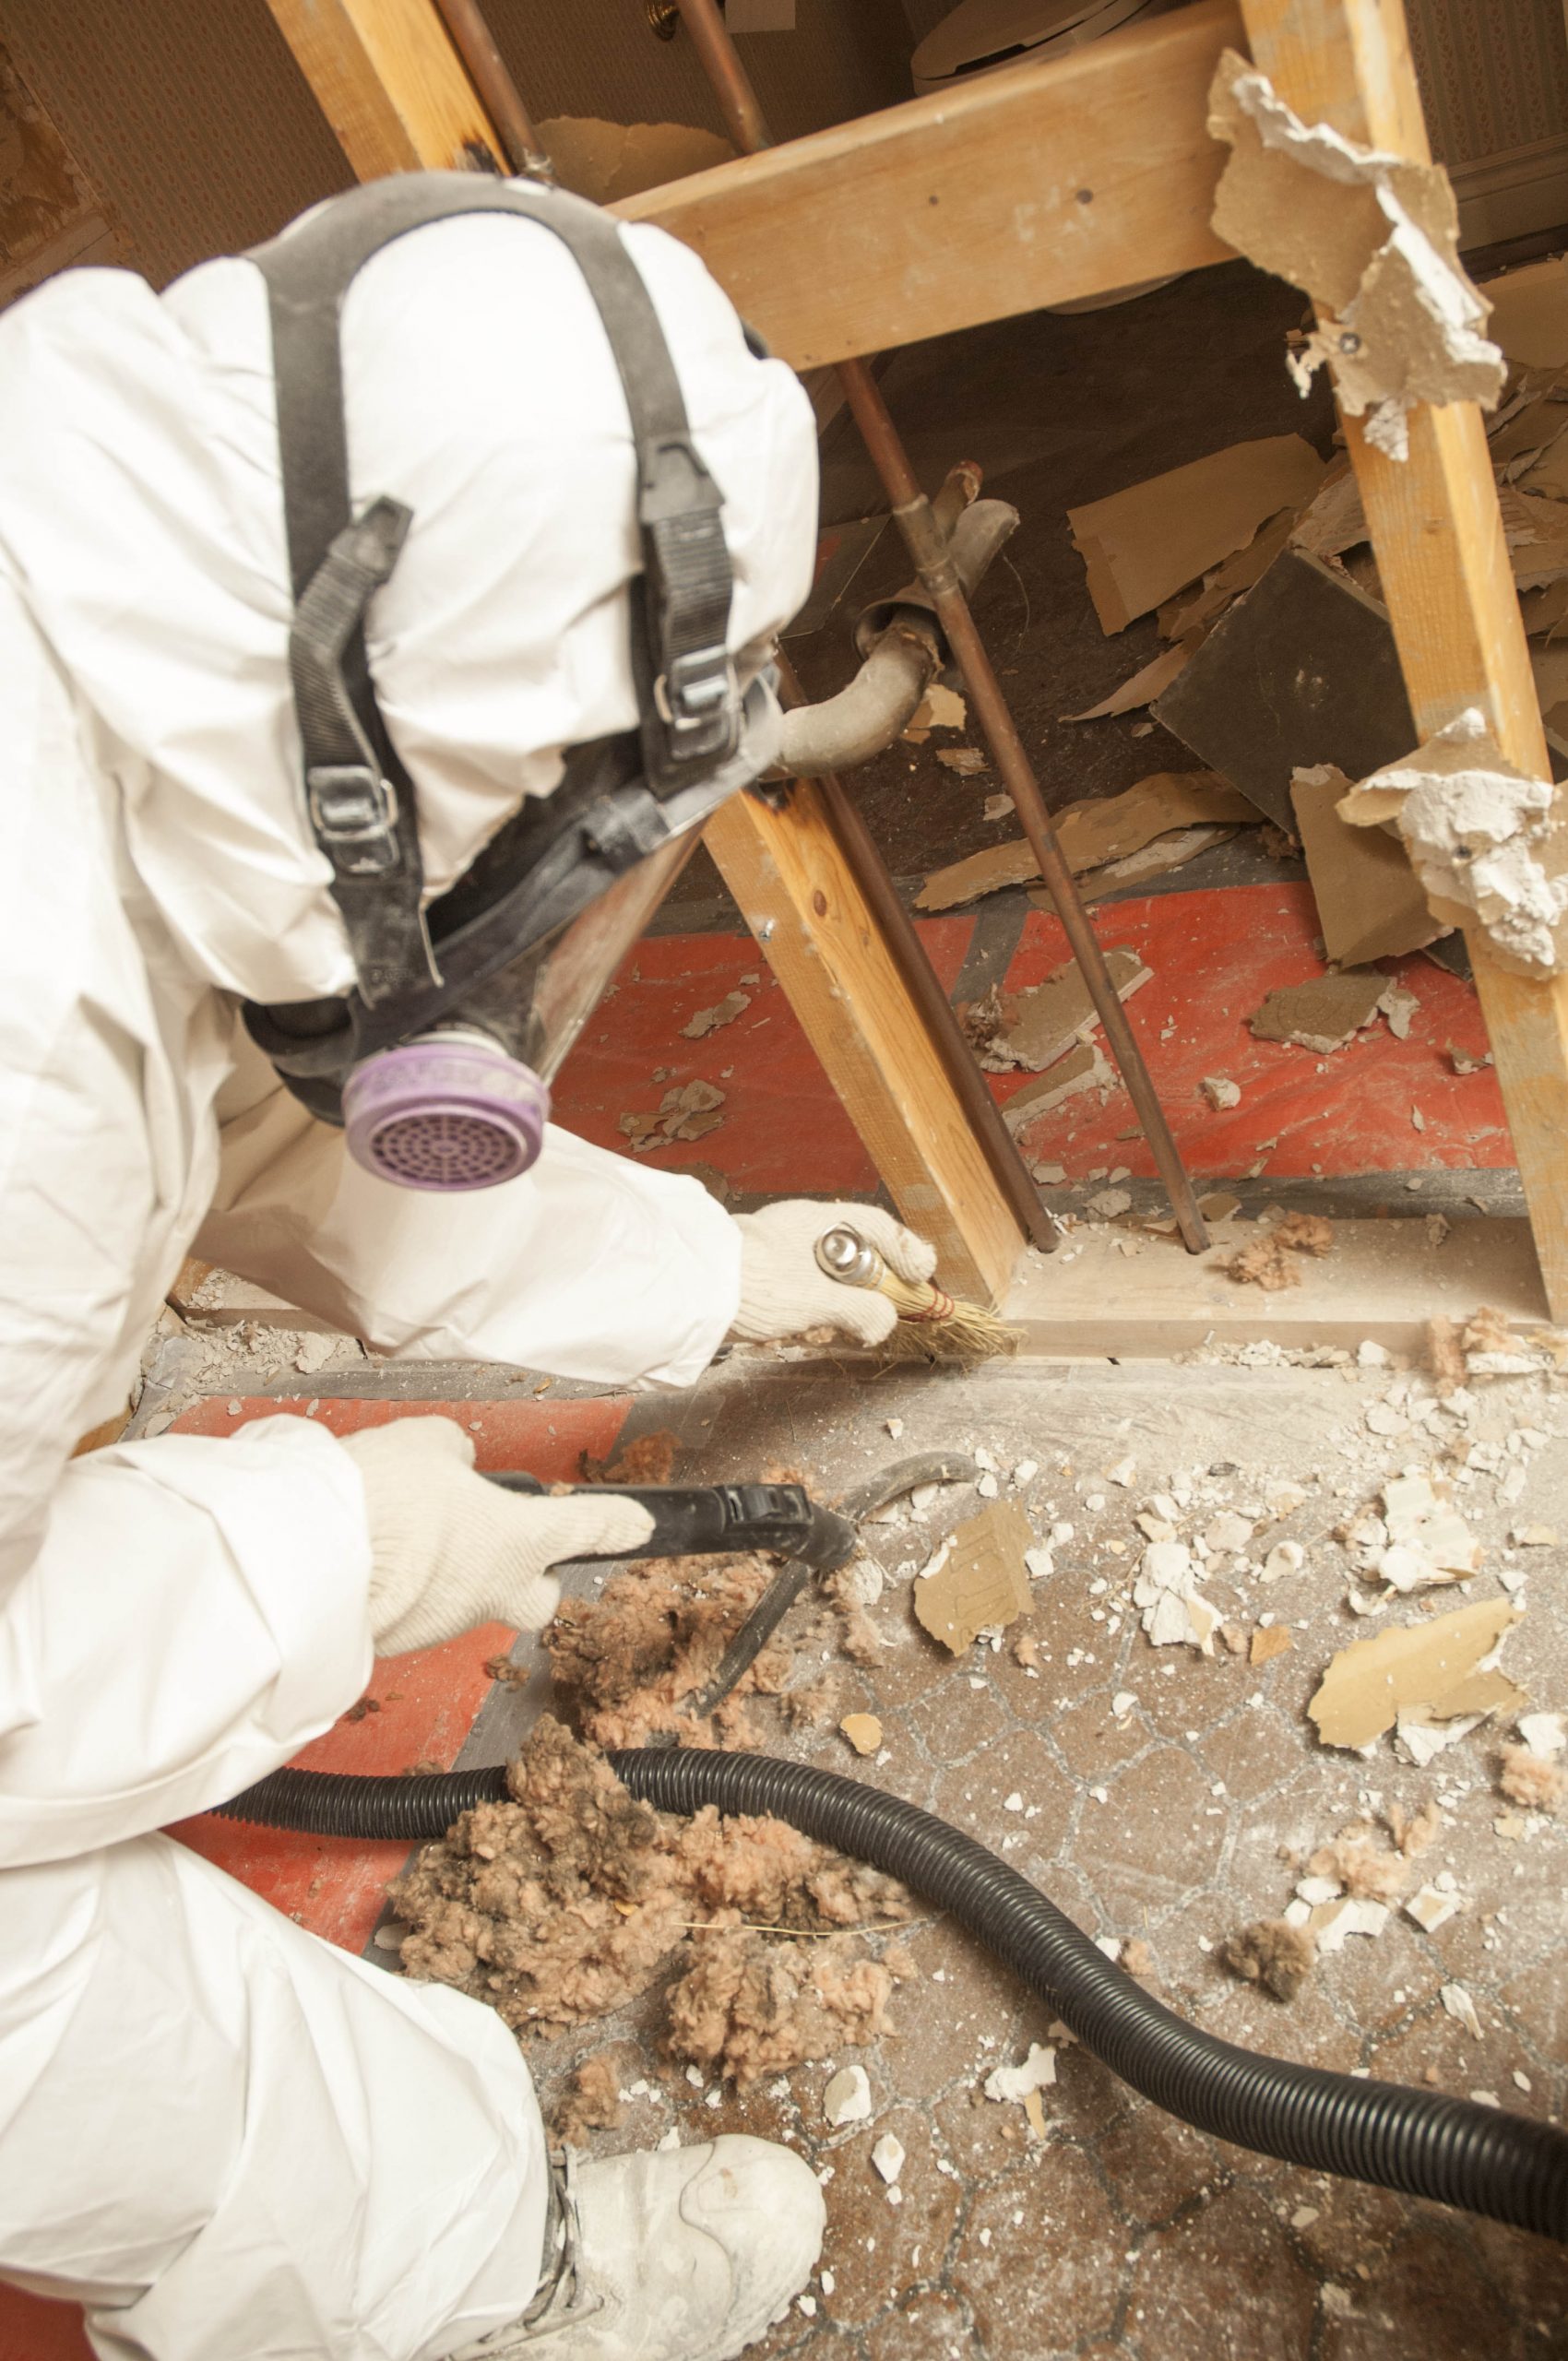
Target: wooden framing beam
x: 390, y: 82
x: 394, y: 90
x: 1031, y: 187
x: 1446, y: 578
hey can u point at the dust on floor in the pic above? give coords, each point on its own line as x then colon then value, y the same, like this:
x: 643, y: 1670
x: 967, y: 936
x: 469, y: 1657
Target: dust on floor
x: 1165, y: 1800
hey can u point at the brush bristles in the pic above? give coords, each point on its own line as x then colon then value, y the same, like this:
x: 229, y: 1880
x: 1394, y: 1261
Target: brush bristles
x: 937, y: 1326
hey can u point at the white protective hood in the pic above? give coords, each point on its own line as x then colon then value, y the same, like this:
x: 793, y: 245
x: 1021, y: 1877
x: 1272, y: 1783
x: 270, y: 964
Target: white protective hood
x: 142, y: 511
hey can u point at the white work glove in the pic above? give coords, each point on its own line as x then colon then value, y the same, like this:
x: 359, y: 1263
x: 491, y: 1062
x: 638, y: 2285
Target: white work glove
x: 782, y: 1291
x: 448, y: 1549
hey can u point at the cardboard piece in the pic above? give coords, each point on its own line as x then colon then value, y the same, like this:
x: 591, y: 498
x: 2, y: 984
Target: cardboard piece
x: 1157, y: 859
x: 1301, y: 670
x: 1142, y: 689
x: 1326, y: 1012
x: 1140, y: 545
x: 1036, y: 1026
x: 1430, y: 1665
x: 1370, y: 902
x: 1537, y: 533
x: 610, y: 160
x: 981, y: 1582
x: 1084, y: 1068
x: 1196, y: 609
x: 1093, y: 833
x: 1529, y: 314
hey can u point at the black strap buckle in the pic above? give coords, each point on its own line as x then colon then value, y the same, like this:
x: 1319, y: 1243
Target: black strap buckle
x: 698, y: 697
x: 354, y: 815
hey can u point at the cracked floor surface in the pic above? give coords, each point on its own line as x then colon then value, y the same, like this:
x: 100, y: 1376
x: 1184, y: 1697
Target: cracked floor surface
x: 1176, y: 1818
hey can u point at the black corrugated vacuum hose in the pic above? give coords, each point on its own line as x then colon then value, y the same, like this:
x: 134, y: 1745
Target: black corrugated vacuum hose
x: 1509, y: 2166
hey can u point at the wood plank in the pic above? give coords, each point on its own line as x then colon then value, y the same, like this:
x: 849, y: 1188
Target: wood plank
x: 1445, y: 575
x: 799, y: 896
x: 1383, y: 1282
x: 388, y: 80
x: 390, y: 84
x: 1034, y: 186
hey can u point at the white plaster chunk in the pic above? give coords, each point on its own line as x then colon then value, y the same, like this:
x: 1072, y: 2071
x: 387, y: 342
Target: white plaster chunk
x: 846, y: 2098
x: 888, y: 2157
x: 1483, y: 839
x: 1038, y: 2072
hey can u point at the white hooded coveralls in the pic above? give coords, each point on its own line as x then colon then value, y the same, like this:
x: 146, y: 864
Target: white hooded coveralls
x: 222, y: 2136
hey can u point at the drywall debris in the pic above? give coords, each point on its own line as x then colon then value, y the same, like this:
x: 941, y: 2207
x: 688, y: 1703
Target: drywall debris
x: 1033, y: 1028
x: 1271, y: 1952
x: 940, y: 708
x: 1546, y: 1735
x: 1370, y: 902
x: 1083, y: 1069
x: 1483, y: 839
x: 846, y: 2098
x: 1038, y: 2072
x: 863, y: 1732
x: 997, y: 807
x: 1431, y: 1907
x: 1335, y: 521
x: 1322, y: 1014
x: 708, y: 1020
x: 1333, y: 1922
x: 1192, y: 612
x: 1141, y: 544
x: 968, y: 761
x: 689, y: 1113
x: 1459, y: 2004
x: 1269, y: 1640
x: 1426, y: 1667
x: 1095, y: 833
x: 1374, y: 238
x: 1220, y: 1091
x: 1285, y: 1557
x: 888, y: 2157
x: 1228, y: 1534
x: 1166, y: 1591
x: 982, y: 1583
x: 1109, y: 1202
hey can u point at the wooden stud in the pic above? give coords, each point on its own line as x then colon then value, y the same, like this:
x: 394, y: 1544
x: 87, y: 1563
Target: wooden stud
x: 1034, y: 186
x: 390, y: 84
x: 798, y: 893
x: 394, y: 90
x: 1437, y: 538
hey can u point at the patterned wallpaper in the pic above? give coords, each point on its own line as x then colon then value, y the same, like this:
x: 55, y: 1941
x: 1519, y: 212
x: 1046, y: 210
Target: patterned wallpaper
x: 193, y: 118
x: 1494, y: 74
x: 190, y: 115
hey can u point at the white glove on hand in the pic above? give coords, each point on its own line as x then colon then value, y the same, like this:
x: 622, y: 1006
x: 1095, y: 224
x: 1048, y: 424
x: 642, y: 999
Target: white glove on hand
x: 449, y: 1549
x: 782, y: 1291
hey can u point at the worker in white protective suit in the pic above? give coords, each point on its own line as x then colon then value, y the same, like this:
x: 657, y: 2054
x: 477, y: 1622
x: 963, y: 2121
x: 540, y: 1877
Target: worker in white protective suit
x: 349, y: 726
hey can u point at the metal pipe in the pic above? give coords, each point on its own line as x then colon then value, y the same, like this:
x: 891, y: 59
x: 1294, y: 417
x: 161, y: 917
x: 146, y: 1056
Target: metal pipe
x: 905, y: 648
x: 926, y: 544
x: 897, y: 928
x: 866, y: 717
x: 501, y: 100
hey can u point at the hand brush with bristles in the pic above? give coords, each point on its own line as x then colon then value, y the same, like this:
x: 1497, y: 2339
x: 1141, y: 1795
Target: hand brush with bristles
x: 931, y: 1322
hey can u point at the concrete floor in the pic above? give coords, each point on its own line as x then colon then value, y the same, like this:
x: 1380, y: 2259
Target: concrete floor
x: 1123, y: 2233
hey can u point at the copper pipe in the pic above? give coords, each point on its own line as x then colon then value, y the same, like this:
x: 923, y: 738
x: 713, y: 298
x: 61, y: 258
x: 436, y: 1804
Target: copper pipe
x: 991, y: 1135
x: 501, y: 100
x: 912, y: 512
x: 922, y: 534
x: 715, y: 45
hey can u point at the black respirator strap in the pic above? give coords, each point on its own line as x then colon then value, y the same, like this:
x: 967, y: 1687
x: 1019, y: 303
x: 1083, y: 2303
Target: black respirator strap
x: 359, y: 803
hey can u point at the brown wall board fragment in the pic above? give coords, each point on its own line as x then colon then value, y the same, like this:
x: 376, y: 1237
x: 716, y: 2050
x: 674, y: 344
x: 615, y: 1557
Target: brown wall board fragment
x: 1302, y: 670
x: 1092, y: 833
x: 1368, y: 1685
x: 982, y: 1584
x: 1141, y: 544
x: 1370, y: 903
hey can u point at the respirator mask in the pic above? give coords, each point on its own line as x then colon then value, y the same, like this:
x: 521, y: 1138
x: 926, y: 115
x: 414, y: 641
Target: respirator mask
x: 438, y: 1064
